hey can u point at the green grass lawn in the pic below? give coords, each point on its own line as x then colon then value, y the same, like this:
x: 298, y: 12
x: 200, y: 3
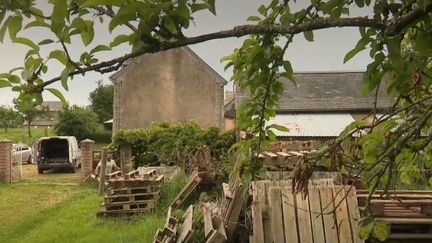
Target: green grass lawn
x: 58, y: 209
x: 20, y: 134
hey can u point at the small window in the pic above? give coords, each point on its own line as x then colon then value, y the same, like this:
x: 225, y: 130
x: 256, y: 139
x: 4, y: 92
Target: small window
x: 23, y: 148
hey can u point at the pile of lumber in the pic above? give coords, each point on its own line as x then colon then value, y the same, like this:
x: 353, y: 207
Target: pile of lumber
x: 175, y: 230
x: 277, y: 161
x: 131, y: 193
x: 407, y: 212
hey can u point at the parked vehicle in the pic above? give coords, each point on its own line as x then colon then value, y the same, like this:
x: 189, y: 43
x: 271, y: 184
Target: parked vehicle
x: 58, y: 152
x: 22, y: 150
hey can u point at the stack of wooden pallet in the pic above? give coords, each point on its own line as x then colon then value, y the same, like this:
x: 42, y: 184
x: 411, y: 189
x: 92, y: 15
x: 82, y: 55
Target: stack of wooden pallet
x: 130, y: 194
x: 169, y: 232
x: 407, y: 212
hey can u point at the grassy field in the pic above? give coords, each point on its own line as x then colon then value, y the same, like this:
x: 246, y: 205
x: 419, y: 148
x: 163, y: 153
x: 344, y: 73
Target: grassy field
x: 56, y: 208
x: 21, y: 134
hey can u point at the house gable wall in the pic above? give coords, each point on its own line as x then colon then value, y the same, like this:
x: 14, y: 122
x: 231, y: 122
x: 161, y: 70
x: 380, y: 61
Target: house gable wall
x: 168, y: 86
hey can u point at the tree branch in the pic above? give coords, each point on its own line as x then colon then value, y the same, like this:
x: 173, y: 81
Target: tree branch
x: 238, y: 31
x: 391, y: 27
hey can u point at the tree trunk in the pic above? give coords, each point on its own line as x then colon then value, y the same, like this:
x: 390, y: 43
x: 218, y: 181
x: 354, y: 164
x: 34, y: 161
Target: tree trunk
x: 29, y: 129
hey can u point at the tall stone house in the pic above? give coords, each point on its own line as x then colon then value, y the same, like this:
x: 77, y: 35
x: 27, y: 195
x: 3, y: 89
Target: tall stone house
x: 175, y: 85
x: 320, y: 106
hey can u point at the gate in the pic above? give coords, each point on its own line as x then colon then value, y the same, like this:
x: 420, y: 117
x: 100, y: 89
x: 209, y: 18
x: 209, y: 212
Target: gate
x: 16, y: 163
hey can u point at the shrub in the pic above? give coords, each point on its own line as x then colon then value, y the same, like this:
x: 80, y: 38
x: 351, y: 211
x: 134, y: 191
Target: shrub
x: 173, y: 144
x: 77, y: 121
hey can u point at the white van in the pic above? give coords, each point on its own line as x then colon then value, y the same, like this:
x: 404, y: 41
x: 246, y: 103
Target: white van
x: 58, y: 152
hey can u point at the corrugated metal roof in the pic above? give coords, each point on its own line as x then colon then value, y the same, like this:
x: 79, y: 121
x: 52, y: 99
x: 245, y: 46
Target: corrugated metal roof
x: 312, y: 124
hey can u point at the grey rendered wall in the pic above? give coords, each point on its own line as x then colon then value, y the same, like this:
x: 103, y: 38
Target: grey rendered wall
x: 167, y: 86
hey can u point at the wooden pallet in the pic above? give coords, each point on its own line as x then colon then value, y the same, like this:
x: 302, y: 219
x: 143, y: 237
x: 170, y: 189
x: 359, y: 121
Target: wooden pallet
x: 214, y: 229
x: 168, y: 233
x: 193, y: 181
x: 407, y: 212
x: 327, y: 214
x: 131, y: 193
x: 186, y: 229
x: 137, y: 205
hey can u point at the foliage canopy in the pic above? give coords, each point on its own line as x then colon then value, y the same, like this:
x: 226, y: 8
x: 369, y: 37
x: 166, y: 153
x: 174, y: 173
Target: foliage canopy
x: 397, y: 34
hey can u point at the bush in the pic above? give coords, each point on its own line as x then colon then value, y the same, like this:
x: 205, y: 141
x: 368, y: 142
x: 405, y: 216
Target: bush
x: 101, y: 135
x: 173, y: 144
x: 78, y: 122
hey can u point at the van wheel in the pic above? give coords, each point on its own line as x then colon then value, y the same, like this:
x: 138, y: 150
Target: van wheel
x: 40, y: 171
x: 29, y: 161
x: 73, y: 169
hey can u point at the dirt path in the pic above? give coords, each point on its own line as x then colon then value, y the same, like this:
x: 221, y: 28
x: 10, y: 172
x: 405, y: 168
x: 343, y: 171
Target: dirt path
x: 30, y: 174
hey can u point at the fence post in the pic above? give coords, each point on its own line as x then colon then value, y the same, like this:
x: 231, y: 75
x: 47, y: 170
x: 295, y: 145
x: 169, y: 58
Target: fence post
x: 87, y: 147
x: 125, y: 157
x: 102, y: 174
x: 5, y: 160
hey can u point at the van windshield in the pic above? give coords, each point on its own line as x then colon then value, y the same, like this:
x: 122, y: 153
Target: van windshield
x: 54, y: 148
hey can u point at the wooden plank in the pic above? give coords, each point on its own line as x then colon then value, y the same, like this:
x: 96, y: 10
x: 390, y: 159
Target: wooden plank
x: 289, y: 217
x: 282, y: 154
x: 275, y: 212
x: 316, y: 215
x: 261, y: 197
x: 295, y: 153
x: 208, y: 225
x: 186, y: 228
x: 235, y: 207
x: 330, y: 229
x: 270, y: 154
x: 342, y: 217
x: 258, y: 230
x: 303, y: 219
x: 354, y: 213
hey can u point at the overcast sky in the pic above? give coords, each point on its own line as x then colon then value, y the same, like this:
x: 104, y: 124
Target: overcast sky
x: 324, y: 54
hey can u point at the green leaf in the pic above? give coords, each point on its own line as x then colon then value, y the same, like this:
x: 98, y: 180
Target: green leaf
x: 279, y: 127
x: 46, y: 41
x: 60, y: 56
x: 253, y: 18
x: 15, y: 25
x: 124, y: 15
x: 88, y: 35
x: 4, y: 83
x: 380, y: 230
x: 26, y: 42
x: 58, y: 94
x: 119, y: 40
x: 366, y: 229
x: 211, y: 6
x: 308, y: 35
x: 4, y: 28
x: 195, y: 7
x: 352, y: 53
x: 91, y: 3
x: 423, y: 42
x: 170, y: 25
x: 37, y: 23
x: 60, y: 11
x: 262, y: 10
x: 64, y: 77
x: 100, y: 48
